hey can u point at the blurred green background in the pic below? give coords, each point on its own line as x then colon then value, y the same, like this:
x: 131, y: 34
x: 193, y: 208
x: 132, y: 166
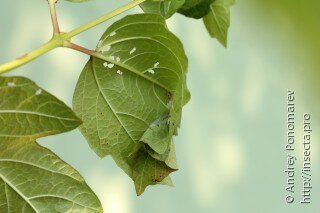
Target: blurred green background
x: 231, y: 144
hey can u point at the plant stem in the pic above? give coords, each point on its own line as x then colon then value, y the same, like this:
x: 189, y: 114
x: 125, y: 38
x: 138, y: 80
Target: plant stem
x: 52, y: 44
x: 103, y: 18
x: 85, y: 50
x: 63, y: 39
x: 54, y: 19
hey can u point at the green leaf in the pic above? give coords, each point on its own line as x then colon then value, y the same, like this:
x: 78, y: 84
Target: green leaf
x: 166, y: 8
x: 196, y: 8
x: 139, y: 83
x: 217, y: 21
x: 28, y: 111
x: 32, y: 178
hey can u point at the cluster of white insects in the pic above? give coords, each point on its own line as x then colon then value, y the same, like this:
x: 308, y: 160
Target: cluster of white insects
x: 106, y: 48
x: 12, y: 84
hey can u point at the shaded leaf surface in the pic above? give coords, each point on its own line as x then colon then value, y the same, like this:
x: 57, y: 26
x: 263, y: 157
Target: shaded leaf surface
x: 32, y: 178
x: 141, y: 80
x: 196, y: 8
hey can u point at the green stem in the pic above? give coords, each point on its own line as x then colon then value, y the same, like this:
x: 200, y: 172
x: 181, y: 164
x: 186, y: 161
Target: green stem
x: 54, y: 19
x: 52, y: 44
x: 62, y: 39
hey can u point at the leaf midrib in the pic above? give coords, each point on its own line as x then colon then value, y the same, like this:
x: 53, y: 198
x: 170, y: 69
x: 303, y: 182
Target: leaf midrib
x: 106, y: 100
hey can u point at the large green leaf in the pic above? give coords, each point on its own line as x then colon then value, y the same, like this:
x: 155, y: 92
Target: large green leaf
x: 217, y: 21
x: 166, y: 8
x: 32, y: 178
x: 196, y: 8
x: 138, y: 85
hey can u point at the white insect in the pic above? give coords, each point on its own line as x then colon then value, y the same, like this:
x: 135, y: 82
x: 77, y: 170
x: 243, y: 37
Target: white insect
x: 11, y: 84
x: 112, y: 58
x: 133, y: 50
x: 106, y: 48
x: 119, y: 72
x: 105, y: 64
x: 110, y: 66
x: 113, y: 33
x: 39, y: 91
x: 117, y: 59
x: 156, y: 65
x: 151, y: 71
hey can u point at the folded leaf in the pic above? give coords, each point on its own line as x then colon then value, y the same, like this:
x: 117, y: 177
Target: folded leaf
x: 139, y: 83
x: 166, y: 8
x: 217, y: 21
x: 148, y: 171
x: 168, y: 157
x: 32, y: 178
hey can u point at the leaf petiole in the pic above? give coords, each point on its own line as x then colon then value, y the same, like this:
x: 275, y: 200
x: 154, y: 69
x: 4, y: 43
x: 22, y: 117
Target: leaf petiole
x: 54, y: 19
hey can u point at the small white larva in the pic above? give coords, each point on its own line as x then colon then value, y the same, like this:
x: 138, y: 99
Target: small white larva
x: 11, y: 84
x: 110, y: 66
x: 151, y: 71
x: 39, y: 91
x: 133, y: 50
x: 156, y: 65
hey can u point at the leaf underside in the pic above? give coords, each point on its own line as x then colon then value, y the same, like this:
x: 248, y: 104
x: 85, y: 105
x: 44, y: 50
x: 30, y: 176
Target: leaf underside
x: 131, y: 100
x: 32, y: 178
